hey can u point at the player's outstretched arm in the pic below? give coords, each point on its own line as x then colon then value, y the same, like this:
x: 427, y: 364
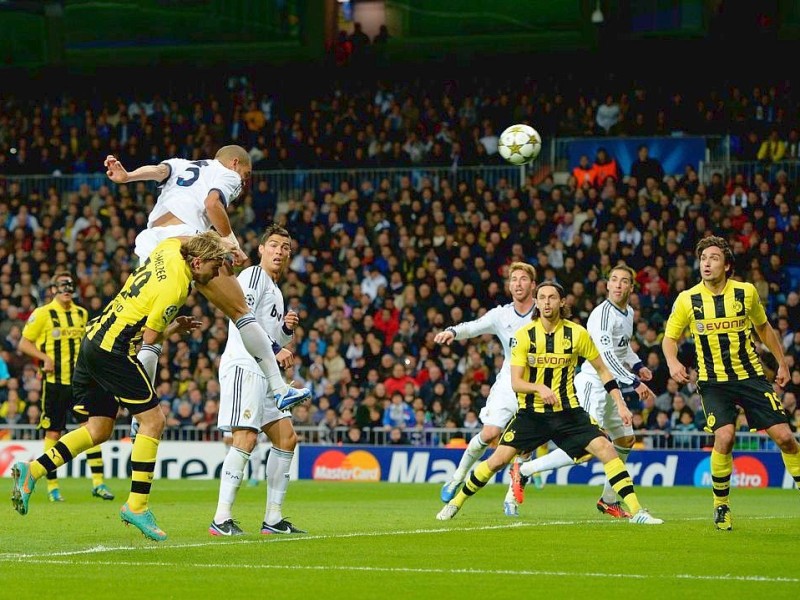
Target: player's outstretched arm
x: 118, y: 174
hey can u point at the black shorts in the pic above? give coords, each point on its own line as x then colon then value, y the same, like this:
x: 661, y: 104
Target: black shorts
x: 56, y: 404
x: 761, y: 405
x: 571, y: 430
x: 103, y: 381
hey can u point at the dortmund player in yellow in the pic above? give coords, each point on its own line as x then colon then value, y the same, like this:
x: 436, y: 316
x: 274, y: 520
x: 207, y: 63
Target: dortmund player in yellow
x: 543, y: 360
x: 53, y: 335
x: 108, y: 373
x: 721, y: 314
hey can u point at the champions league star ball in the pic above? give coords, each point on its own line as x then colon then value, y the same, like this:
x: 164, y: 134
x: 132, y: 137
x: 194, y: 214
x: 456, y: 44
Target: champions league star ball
x: 520, y: 144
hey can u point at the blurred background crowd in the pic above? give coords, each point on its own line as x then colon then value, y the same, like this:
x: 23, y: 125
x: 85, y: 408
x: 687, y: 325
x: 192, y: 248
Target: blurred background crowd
x: 381, y: 263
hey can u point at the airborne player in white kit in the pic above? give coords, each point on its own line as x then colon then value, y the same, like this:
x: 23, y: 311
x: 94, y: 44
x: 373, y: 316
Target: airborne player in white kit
x: 194, y: 197
x: 611, y: 327
x: 501, y: 406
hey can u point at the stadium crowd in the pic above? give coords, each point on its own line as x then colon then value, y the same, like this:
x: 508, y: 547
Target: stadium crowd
x: 380, y: 266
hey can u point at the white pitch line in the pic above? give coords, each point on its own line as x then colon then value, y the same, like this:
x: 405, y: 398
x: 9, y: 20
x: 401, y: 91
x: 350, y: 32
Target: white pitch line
x: 473, y: 571
x: 273, y: 539
x: 277, y: 538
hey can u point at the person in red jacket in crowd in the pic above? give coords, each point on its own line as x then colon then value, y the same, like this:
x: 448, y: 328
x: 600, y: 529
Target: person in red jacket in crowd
x: 585, y: 172
x: 604, y: 167
x: 387, y: 320
x: 397, y: 382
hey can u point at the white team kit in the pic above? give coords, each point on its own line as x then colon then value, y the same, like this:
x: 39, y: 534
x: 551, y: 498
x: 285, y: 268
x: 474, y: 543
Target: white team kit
x: 183, y: 194
x: 611, y: 330
x: 245, y: 398
x: 502, y: 321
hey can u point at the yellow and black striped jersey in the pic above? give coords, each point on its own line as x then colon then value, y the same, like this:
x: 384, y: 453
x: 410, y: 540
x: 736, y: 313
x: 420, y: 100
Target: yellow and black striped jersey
x: 151, y: 297
x: 722, y: 326
x: 57, y: 332
x: 550, y: 359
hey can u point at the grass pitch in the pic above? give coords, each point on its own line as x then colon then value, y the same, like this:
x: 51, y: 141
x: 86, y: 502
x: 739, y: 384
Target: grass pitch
x: 382, y: 541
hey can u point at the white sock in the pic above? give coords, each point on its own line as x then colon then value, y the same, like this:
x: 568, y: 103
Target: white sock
x: 609, y: 495
x: 552, y: 460
x: 278, y: 464
x: 259, y: 345
x: 230, y: 481
x: 471, y: 455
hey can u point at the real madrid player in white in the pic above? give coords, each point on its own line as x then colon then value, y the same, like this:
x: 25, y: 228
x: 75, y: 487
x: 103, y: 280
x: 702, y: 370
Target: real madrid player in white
x: 246, y: 407
x: 611, y: 326
x: 194, y: 197
x: 501, y: 406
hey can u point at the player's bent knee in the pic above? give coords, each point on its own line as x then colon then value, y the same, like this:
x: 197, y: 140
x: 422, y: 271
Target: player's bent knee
x: 626, y: 441
x: 783, y: 436
x: 152, y: 422
x: 490, y: 434
x: 100, y: 429
x: 245, y: 439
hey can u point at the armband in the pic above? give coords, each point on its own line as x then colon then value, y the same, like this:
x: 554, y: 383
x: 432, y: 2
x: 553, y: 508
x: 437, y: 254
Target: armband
x: 611, y: 386
x: 286, y: 330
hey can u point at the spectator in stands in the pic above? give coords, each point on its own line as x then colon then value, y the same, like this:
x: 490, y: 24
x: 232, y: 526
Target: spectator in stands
x: 398, y: 414
x: 584, y: 172
x: 773, y: 149
x: 608, y: 114
x: 646, y: 166
x: 605, y: 167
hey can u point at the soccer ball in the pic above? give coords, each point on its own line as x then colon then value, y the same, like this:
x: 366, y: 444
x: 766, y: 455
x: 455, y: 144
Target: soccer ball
x: 520, y: 144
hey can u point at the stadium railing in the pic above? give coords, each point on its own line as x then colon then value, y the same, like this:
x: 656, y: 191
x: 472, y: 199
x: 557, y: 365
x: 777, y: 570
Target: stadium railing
x: 747, y: 168
x: 292, y: 183
x: 434, y: 437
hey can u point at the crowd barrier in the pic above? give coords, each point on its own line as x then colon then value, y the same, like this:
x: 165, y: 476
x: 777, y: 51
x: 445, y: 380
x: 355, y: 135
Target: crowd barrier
x: 410, y: 464
x: 558, y: 155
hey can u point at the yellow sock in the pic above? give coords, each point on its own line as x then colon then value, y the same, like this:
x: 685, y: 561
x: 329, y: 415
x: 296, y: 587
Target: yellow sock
x: 52, y: 476
x: 479, y: 478
x: 64, y: 450
x: 622, y: 484
x: 721, y: 469
x: 143, y: 463
x: 94, y: 457
x: 792, y: 462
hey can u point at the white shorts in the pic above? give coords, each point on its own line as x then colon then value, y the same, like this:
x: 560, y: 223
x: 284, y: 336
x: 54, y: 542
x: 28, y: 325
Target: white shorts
x: 148, y: 239
x: 501, y: 406
x: 601, y: 407
x: 245, y: 400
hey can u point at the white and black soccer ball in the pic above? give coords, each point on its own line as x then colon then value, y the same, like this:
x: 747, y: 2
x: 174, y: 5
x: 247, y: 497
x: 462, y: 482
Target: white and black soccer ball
x: 520, y: 144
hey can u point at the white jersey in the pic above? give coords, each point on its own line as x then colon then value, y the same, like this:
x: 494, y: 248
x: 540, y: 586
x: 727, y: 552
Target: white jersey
x: 611, y: 330
x: 265, y: 300
x: 502, y: 321
x: 184, y: 191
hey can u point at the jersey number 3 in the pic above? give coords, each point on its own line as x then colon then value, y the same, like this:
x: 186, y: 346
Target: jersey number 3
x: 195, y: 171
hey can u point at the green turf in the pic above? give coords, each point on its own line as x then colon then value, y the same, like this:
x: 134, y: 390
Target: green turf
x: 382, y: 541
